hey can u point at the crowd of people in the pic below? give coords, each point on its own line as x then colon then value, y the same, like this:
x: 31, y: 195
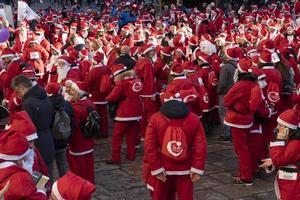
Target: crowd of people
x: 165, y: 81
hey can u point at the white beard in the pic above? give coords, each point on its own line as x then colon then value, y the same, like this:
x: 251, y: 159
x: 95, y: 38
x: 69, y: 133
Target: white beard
x: 273, y: 35
x: 64, y: 37
x: 53, y: 60
x: 62, y: 73
x: 29, y: 161
x: 154, y: 58
x: 22, y: 37
x: 85, y: 34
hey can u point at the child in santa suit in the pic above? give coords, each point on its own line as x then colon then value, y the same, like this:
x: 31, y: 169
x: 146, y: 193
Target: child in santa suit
x: 284, y: 155
x: 72, y: 187
x: 80, y: 148
x: 240, y: 118
x: 172, y: 165
x: 126, y: 92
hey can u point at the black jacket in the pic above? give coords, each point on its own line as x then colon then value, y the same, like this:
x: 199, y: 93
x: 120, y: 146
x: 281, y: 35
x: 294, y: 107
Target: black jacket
x: 39, y: 108
x: 58, y: 102
x: 126, y: 60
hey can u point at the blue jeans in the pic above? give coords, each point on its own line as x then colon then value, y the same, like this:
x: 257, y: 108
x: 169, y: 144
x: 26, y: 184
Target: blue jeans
x: 222, y: 113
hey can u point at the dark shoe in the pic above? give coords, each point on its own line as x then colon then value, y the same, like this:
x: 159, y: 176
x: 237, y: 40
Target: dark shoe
x: 112, y: 162
x: 239, y: 182
x: 259, y: 174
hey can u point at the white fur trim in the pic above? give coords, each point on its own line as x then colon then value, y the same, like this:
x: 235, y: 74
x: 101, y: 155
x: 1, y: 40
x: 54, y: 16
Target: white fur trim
x: 55, y: 191
x: 13, y: 157
x: 238, y: 125
x: 277, y: 144
x: 148, y: 95
x: 8, y: 55
x: 119, y: 71
x: 148, y: 49
x: 291, y: 126
x: 75, y: 86
x: 2, y: 71
x: 150, y: 187
x: 197, y: 171
x: 128, y: 118
x: 268, y: 67
x: 178, y: 173
x: 157, y: 171
x: 100, y: 102
x: 165, y: 54
x: 81, y: 153
x: 6, y: 164
x: 32, y: 137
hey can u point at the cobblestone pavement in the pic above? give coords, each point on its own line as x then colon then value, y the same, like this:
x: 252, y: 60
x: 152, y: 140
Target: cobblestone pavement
x: 124, y: 182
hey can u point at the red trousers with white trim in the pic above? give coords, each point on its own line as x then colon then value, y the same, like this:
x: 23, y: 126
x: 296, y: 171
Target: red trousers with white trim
x: 149, y: 108
x: 181, y: 184
x: 129, y: 129
x: 240, y: 139
x: 82, y: 166
x: 102, y: 111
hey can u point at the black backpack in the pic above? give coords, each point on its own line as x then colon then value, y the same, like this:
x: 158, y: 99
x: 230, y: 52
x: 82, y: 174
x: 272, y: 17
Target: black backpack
x: 61, y: 128
x: 91, y: 126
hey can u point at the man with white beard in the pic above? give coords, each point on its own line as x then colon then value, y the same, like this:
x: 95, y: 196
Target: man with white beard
x: 21, y: 39
x: 66, y: 71
x: 51, y: 67
x: 65, y: 35
x: 40, y: 34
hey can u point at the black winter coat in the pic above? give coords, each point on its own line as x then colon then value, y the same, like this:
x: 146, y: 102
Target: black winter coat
x: 38, y: 106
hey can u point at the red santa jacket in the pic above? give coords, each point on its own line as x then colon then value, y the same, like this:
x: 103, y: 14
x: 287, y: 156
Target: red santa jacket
x: 127, y: 91
x: 93, y: 79
x: 85, y: 66
x: 144, y: 69
x: 236, y: 101
x: 286, y: 155
x: 36, y: 55
x: 156, y: 162
x: 39, y: 164
x: 21, y: 184
x: 19, y: 46
x: 46, y: 44
x: 161, y: 72
x: 13, y: 69
x: 79, y: 145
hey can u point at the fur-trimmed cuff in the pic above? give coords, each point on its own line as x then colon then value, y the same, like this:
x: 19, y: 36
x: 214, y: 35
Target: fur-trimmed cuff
x: 41, y: 191
x: 157, y: 171
x: 197, y: 171
x: 277, y: 143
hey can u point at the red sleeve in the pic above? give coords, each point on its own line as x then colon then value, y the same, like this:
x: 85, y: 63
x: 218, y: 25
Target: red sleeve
x: 116, y: 93
x: 26, y: 54
x: 283, y: 154
x: 232, y: 96
x: 45, y: 54
x: 152, y: 154
x: 199, y: 151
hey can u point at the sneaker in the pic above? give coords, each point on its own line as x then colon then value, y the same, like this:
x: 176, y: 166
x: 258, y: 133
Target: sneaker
x: 112, y: 162
x: 239, y: 182
x: 235, y: 176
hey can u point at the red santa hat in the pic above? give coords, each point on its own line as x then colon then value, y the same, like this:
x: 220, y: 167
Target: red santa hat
x: 245, y: 65
x: 84, y: 53
x: 289, y: 119
x: 7, y: 53
x: 297, y: 8
x: 118, y: 69
x: 202, y: 56
x: 65, y: 29
x: 258, y: 73
x: 167, y: 51
x: 72, y: 187
x: 269, y: 46
x: 194, y: 41
x: 177, y: 69
x: 65, y: 59
x: 83, y: 25
x: 265, y: 57
x: 53, y: 88
x: 57, y: 46
x: 80, y: 87
x: 29, y: 71
x: 188, y: 66
x: 231, y: 53
x: 255, y: 60
x: 98, y: 57
x: 181, y: 50
x: 22, y: 123
x: 13, y: 145
x: 40, y: 30
x: 146, y: 48
x: 74, y: 25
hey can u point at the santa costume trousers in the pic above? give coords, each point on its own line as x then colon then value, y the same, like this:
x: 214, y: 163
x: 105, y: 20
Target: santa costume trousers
x: 182, y: 184
x: 102, y: 111
x: 268, y: 133
x: 255, y: 149
x: 240, y: 139
x: 129, y: 129
x: 149, y: 108
x: 82, y: 165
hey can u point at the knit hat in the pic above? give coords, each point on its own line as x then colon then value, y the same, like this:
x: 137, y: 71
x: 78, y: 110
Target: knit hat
x: 13, y: 145
x: 289, y: 119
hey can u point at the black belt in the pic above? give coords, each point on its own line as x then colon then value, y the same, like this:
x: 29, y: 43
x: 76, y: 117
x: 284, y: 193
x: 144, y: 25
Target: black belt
x: 290, y: 170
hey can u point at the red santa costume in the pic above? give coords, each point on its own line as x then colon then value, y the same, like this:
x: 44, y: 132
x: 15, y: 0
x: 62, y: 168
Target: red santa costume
x: 80, y: 148
x: 72, y: 187
x: 85, y: 64
x: 21, y: 40
x: 285, y: 156
x: 95, y: 78
x: 144, y: 70
x: 240, y: 119
x: 13, y: 69
x: 40, y: 33
x: 156, y: 161
x: 65, y: 70
x: 14, y: 148
x: 126, y: 92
